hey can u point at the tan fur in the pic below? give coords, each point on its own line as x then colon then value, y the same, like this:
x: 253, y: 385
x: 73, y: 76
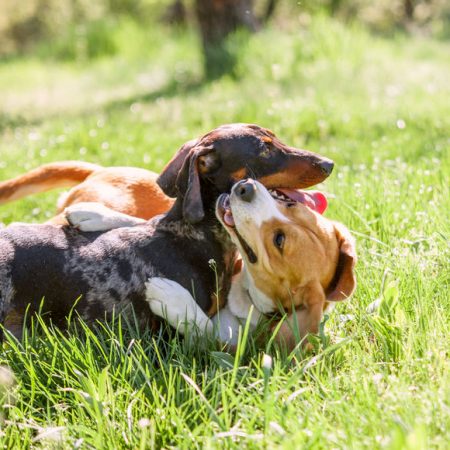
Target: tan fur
x: 239, y: 174
x: 315, y: 266
x: 44, y: 178
x: 289, y: 178
x: 128, y: 190
x: 309, y: 256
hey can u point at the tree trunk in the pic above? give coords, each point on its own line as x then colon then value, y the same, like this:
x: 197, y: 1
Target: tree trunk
x: 176, y: 13
x: 409, y: 9
x: 217, y: 20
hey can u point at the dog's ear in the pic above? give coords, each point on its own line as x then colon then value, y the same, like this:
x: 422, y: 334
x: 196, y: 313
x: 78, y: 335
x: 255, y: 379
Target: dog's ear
x: 199, y: 161
x: 167, y: 180
x: 344, y: 281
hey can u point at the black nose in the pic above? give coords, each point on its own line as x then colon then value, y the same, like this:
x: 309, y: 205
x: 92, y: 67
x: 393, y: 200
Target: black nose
x: 326, y: 166
x: 245, y: 190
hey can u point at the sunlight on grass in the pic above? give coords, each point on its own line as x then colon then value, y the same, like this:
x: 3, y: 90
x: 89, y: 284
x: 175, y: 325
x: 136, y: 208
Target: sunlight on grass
x: 380, y: 108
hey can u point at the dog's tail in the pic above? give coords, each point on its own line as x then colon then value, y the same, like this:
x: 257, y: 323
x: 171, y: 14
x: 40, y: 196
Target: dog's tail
x: 44, y: 178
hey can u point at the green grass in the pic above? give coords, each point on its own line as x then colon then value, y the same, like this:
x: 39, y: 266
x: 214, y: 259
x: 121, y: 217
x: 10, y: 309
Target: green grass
x: 379, y: 108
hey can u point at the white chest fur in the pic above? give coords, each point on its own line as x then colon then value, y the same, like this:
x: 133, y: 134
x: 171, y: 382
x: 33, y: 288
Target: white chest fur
x: 243, y: 294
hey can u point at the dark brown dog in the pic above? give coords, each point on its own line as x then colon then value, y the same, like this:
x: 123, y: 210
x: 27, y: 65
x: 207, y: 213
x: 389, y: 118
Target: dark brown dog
x: 135, y: 192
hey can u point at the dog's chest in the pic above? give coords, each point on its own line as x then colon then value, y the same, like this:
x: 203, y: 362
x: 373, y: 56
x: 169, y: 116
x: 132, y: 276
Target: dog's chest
x: 202, y: 262
x: 223, y: 279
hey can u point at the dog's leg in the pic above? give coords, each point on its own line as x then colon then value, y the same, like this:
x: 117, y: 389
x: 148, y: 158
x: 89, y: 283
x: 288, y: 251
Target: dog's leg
x: 226, y: 325
x: 314, y: 300
x: 92, y: 216
x: 171, y: 301
x: 304, y: 319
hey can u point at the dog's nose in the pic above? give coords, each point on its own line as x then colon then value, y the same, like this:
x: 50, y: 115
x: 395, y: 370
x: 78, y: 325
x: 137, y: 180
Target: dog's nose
x: 326, y: 166
x: 245, y: 190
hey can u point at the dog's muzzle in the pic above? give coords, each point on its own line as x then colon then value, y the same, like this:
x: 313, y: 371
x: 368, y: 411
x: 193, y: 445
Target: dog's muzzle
x: 245, y: 190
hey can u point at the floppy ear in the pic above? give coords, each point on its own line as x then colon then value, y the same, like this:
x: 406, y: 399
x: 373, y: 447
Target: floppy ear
x: 187, y: 184
x: 168, y: 177
x: 344, y: 281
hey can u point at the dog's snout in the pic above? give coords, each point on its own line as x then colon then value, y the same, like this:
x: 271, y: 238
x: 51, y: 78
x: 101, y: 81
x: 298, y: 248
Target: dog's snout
x: 245, y: 190
x: 326, y: 166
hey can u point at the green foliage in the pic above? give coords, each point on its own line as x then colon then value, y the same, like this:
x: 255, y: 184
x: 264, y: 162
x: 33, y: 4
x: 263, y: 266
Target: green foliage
x: 386, y: 16
x: 72, y: 28
x: 79, y: 29
x: 82, y: 42
x: 379, y: 377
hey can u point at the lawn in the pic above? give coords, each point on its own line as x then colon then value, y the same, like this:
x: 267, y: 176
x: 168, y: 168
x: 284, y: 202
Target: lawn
x: 380, y: 376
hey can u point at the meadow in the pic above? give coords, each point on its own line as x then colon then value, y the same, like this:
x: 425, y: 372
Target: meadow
x: 380, y: 108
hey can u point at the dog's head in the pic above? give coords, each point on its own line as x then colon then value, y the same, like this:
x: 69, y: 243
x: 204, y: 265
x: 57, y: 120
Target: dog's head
x: 234, y: 152
x: 288, y: 246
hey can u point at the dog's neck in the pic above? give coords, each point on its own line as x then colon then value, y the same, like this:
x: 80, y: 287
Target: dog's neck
x: 209, y: 196
x: 244, y: 294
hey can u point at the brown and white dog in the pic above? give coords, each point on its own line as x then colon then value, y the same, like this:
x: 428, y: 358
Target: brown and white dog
x: 296, y: 261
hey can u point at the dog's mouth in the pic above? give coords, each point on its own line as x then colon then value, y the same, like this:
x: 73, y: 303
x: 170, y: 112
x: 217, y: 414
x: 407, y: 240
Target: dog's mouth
x: 226, y: 216
x: 314, y: 200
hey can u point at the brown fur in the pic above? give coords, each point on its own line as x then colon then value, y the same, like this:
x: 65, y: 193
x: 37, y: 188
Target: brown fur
x: 45, y: 178
x: 128, y: 190
x: 314, y: 267
x: 135, y: 192
x: 311, y: 269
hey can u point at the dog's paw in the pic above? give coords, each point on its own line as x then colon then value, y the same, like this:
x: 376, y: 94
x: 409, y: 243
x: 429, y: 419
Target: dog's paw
x: 171, y: 301
x: 90, y: 216
x: 227, y: 326
x: 87, y: 217
x: 168, y: 297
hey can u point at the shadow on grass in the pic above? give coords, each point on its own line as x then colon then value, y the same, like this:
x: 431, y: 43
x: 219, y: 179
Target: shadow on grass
x: 172, y: 89
x: 14, y: 121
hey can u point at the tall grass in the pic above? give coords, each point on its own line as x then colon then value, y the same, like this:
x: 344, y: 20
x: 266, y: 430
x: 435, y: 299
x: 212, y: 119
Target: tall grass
x: 379, y: 377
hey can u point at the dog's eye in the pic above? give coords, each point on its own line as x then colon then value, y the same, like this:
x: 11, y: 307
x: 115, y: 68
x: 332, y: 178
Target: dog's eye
x: 278, y: 239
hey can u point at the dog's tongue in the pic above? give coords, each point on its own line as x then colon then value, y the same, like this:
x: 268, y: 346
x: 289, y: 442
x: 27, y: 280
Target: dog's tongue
x: 315, y: 200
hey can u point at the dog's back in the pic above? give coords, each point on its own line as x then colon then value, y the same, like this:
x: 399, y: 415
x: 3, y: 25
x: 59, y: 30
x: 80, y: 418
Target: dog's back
x: 61, y: 265
x: 101, y: 272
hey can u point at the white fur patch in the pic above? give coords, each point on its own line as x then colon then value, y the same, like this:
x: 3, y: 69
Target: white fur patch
x: 226, y: 326
x: 239, y: 301
x: 260, y: 209
x: 262, y: 302
x: 92, y: 216
x: 171, y: 301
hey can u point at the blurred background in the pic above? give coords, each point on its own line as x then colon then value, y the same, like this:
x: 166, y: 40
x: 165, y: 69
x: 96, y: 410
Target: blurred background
x: 81, y: 30
x: 181, y: 44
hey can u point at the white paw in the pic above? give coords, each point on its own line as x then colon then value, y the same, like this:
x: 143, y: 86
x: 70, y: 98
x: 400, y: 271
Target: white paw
x: 83, y: 219
x: 171, y: 301
x: 90, y: 216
